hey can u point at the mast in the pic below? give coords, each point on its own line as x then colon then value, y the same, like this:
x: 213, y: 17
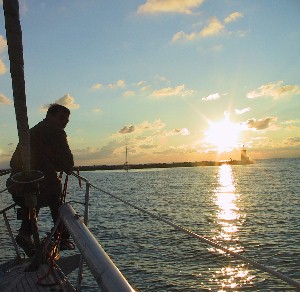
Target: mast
x: 15, y: 52
x: 27, y: 176
x: 126, y: 166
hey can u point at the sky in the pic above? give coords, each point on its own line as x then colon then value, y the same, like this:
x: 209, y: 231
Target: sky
x: 174, y: 80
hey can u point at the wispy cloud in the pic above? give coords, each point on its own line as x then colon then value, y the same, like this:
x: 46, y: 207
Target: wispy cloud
x: 128, y: 93
x: 242, y: 111
x: 292, y: 141
x: 96, y: 110
x: 181, y: 132
x: 297, y: 121
x: 210, y: 97
x: 91, y: 153
x: 171, y: 91
x: 168, y: 6
x: 233, y: 17
x: 118, y: 84
x: 97, y: 86
x: 214, y: 27
x: 276, y: 90
x: 148, y: 146
x: 142, y: 85
x: 4, y: 100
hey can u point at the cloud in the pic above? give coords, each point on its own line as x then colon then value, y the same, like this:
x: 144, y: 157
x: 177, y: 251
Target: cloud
x: 292, y: 141
x: 127, y: 130
x: 233, y: 17
x: 97, y: 86
x: 145, y: 88
x: 96, y: 110
x: 162, y: 78
x: 181, y: 132
x: 242, y: 111
x: 182, y: 36
x: 119, y: 83
x: 142, y: 127
x: 213, y: 28
x: 67, y: 100
x: 140, y: 83
x: 275, y: 90
x: 171, y: 91
x: 4, y: 100
x: 129, y: 93
x: 3, y: 43
x: 261, y: 124
x: 168, y: 6
x: 3, y: 46
x: 92, y: 154
x: 288, y: 122
x: 148, y: 146
x: 2, y: 67
x: 213, y: 96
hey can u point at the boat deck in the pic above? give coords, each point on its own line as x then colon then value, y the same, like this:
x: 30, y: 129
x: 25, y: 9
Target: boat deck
x: 15, y: 279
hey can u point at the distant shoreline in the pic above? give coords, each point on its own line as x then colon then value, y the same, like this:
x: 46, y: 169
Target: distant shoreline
x: 158, y: 165
x: 162, y: 165
x: 151, y: 165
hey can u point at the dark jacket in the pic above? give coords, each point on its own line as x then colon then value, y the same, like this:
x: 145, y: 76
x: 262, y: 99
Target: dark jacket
x: 50, y: 153
x: 49, y: 148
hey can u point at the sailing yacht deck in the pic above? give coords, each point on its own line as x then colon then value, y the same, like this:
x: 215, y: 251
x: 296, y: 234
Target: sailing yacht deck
x: 44, y: 279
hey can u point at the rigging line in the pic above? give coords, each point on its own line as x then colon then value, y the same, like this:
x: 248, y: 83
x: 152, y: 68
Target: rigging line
x: 9, y: 187
x: 205, y: 240
x: 3, y: 191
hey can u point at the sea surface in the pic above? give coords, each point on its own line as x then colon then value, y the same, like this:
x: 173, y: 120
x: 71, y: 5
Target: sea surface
x: 253, y: 210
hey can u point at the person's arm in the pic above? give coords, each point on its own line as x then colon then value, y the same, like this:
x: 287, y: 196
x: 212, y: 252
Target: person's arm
x: 63, y: 155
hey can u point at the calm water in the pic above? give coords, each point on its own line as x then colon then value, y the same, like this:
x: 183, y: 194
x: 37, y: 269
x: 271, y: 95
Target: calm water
x: 254, y: 210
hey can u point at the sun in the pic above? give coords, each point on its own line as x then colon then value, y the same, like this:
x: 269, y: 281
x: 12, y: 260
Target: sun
x: 223, y: 134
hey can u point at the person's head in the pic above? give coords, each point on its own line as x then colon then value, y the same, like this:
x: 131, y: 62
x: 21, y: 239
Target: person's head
x: 58, y: 115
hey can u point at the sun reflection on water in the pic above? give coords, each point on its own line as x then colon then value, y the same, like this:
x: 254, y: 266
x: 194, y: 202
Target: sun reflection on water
x: 228, y: 212
x: 228, y: 219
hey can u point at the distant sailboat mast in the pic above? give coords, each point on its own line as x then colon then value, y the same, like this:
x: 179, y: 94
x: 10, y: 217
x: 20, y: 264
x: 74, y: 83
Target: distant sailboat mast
x: 126, y: 166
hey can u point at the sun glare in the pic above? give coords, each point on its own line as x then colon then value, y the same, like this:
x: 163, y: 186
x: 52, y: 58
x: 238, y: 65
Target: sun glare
x: 224, y: 135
